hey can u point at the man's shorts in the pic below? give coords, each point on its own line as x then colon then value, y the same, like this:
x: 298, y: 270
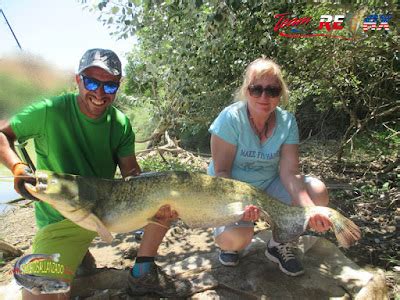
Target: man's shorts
x: 276, y: 190
x: 69, y: 240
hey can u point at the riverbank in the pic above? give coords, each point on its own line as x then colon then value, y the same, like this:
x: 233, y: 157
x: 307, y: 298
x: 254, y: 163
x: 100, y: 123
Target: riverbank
x: 359, y: 190
x: 180, y: 245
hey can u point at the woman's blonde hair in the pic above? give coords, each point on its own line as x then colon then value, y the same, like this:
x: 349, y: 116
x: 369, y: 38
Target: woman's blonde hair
x: 257, y: 69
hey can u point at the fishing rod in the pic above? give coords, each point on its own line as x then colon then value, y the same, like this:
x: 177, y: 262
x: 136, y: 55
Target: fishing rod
x: 11, y: 177
x: 24, y: 154
x: 16, y: 200
x: 12, y: 31
x: 20, y: 147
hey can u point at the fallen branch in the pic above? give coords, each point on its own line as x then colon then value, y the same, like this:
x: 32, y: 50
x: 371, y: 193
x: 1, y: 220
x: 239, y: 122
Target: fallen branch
x: 391, y: 166
x: 164, y: 148
x: 9, y: 250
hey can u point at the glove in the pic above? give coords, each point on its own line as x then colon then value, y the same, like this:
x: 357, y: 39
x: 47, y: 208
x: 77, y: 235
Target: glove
x: 22, y: 174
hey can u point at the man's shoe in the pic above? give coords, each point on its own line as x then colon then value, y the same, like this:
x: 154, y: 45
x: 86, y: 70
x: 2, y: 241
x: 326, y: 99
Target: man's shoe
x: 159, y: 283
x: 229, y: 258
x: 282, y: 254
x: 87, y: 266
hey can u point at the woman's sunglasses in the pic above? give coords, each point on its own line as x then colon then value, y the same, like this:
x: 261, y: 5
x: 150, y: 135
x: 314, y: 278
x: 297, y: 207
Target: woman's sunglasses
x: 269, y: 90
x: 91, y: 84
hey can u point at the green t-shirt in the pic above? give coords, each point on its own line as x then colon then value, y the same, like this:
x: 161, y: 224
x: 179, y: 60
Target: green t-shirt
x: 67, y: 141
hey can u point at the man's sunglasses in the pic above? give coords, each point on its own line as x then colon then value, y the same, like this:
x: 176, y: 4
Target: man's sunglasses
x: 91, y: 84
x: 269, y: 90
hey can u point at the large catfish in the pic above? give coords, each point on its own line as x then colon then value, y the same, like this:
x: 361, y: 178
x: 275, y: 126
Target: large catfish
x: 106, y: 206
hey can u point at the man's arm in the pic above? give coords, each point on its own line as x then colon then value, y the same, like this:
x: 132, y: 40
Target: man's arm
x: 21, y: 171
x: 129, y: 166
x: 8, y: 157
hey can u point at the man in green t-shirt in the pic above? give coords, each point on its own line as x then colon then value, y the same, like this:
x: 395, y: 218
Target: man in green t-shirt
x: 83, y: 134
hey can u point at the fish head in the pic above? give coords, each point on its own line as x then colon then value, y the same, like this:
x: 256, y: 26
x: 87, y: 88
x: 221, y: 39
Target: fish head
x: 59, y: 190
x: 72, y: 196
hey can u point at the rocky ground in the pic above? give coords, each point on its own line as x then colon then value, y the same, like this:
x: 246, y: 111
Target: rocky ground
x: 357, y: 188
x: 370, y: 198
x: 191, y: 255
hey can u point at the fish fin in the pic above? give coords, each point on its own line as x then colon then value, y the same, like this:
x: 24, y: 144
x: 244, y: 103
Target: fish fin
x: 346, y: 232
x: 101, y: 229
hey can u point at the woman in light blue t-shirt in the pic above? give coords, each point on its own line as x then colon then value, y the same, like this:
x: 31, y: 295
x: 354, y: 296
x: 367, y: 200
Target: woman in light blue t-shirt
x: 256, y: 141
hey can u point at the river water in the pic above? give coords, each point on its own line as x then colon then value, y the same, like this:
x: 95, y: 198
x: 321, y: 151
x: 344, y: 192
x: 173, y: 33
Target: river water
x: 7, y: 191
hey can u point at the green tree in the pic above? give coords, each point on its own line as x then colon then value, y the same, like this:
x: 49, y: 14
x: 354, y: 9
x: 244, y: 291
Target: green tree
x: 191, y: 55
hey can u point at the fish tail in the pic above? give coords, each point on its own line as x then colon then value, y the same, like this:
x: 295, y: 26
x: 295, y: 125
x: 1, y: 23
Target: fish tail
x: 346, y: 232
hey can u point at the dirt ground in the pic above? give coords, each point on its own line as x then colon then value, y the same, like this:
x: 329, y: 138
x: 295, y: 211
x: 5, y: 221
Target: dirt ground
x: 360, y: 190
x: 357, y: 188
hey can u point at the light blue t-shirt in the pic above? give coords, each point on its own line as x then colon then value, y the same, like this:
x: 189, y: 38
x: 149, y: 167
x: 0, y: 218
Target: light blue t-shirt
x: 254, y: 163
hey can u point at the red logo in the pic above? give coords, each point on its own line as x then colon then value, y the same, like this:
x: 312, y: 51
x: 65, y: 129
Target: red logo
x: 326, y: 21
x: 295, y: 27
x: 284, y: 22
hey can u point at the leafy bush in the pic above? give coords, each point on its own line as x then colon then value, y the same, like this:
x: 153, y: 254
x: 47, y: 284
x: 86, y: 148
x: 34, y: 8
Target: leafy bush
x: 196, y: 138
x: 155, y: 163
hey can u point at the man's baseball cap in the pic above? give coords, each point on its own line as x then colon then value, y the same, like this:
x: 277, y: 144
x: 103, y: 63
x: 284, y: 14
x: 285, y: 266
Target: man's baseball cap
x: 102, y: 58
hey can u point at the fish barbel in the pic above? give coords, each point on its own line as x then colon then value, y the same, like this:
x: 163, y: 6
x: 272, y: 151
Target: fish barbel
x: 108, y: 205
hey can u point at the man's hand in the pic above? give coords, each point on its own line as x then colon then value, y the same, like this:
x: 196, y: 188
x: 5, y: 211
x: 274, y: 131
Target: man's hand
x: 319, y: 223
x: 251, y: 213
x: 22, y: 174
x: 165, y: 215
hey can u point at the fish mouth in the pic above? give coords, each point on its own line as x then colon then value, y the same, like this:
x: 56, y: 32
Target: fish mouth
x: 59, y: 191
x: 42, y: 180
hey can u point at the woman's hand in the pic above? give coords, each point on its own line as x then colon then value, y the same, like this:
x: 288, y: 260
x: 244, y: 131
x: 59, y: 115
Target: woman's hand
x: 319, y: 223
x: 251, y: 213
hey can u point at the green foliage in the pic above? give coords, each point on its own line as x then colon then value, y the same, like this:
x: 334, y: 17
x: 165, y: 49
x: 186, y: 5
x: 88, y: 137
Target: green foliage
x: 371, y: 190
x: 157, y: 164
x: 141, y: 117
x: 196, y: 138
x: 352, y: 78
x: 191, y: 55
x: 386, y: 136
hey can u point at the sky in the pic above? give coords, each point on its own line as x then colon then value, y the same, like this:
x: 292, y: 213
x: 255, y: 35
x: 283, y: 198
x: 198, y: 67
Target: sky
x: 59, y: 31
